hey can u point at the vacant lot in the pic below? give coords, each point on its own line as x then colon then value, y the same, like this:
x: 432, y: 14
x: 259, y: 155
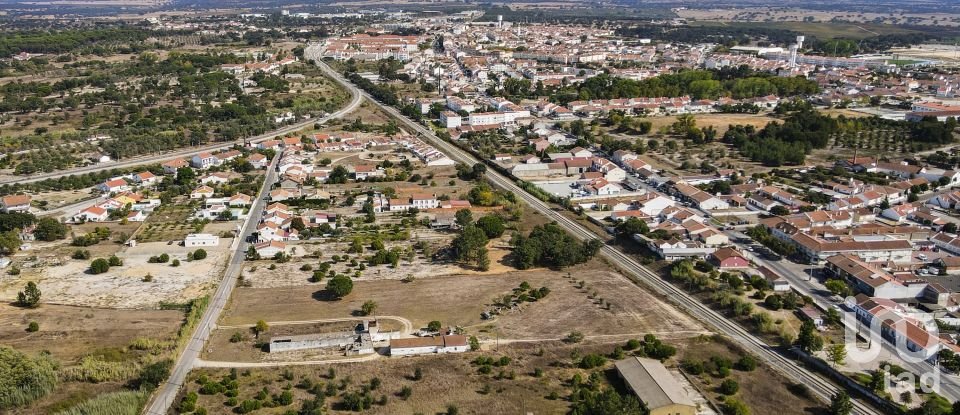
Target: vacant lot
x: 720, y: 122
x: 67, y: 281
x: 764, y: 390
x: 459, y: 300
x: 170, y: 222
x: 513, y: 388
x: 70, y: 332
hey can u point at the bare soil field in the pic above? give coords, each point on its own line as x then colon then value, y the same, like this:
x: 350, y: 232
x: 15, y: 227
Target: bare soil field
x: 721, y: 122
x: 459, y: 300
x: 123, y: 286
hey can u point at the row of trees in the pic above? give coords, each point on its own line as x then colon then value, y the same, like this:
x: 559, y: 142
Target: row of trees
x: 550, y: 246
x: 698, y: 84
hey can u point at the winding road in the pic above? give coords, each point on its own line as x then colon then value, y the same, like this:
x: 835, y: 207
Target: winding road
x: 636, y: 272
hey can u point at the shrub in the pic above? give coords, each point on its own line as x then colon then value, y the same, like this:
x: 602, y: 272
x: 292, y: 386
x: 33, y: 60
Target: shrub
x: 123, y: 402
x: 199, y: 254
x: 175, y: 263
x: 746, y: 364
x: 574, y: 337
x: 99, y: 266
x: 405, y: 392
x: 154, y: 374
x: 114, y: 261
x: 592, y: 360
x: 729, y: 387
x: 81, y: 254
x: 632, y: 344
x: 236, y: 337
x: 33, y: 327
x: 693, y: 367
x: 24, y: 379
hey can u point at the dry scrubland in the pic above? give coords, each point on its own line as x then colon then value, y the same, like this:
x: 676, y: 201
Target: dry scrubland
x: 453, y: 379
x: 458, y: 300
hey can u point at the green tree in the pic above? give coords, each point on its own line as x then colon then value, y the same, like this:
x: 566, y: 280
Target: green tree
x: 492, y: 226
x: 632, y: 226
x: 434, y: 325
x: 808, y: 339
x: 733, y: 406
x: 340, y: 286
x: 24, y: 379
x: 837, y: 354
x: 464, y: 217
x: 9, y: 241
x: 199, y: 254
x: 840, y: 404
x: 50, y: 229
x: 30, y: 296
x: 837, y: 287
x: 369, y: 307
x: 469, y: 243
x: 260, y: 327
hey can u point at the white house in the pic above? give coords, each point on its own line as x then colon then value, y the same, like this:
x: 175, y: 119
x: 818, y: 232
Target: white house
x: 93, y: 214
x: 450, y: 119
x: 424, y: 201
x: 215, y: 179
x: 258, y: 161
x: 145, y: 178
x: 114, y: 186
x: 15, y: 203
x: 202, y: 192
x: 429, y: 345
x: 270, y: 249
x: 200, y: 239
x: 204, y: 161
x: 172, y: 166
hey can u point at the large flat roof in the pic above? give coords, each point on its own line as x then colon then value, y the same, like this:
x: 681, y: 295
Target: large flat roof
x: 652, y: 383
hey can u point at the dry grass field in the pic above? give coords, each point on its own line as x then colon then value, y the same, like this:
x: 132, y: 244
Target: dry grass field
x: 459, y: 300
x: 70, y: 332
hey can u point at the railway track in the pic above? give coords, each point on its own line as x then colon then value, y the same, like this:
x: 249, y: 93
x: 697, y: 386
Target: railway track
x: 636, y: 272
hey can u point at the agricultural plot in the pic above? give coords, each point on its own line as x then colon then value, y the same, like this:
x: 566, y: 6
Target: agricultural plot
x: 170, y: 222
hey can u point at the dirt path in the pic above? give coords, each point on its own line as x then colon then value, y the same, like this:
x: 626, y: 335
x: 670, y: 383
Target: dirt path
x: 211, y: 364
x: 407, y: 325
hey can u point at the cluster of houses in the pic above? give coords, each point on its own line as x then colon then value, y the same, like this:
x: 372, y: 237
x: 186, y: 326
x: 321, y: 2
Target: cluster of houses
x: 121, y: 196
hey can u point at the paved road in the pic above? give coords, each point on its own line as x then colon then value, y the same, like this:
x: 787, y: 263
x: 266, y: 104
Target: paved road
x: 802, y: 281
x: 355, y: 101
x: 635, y: 271
x: 167, y: 393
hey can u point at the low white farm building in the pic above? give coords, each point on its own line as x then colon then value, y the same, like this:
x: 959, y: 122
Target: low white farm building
x: 200, y: 239
x: 429, y: 345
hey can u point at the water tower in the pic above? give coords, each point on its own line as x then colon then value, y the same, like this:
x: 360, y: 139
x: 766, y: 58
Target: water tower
x: 499, y: 21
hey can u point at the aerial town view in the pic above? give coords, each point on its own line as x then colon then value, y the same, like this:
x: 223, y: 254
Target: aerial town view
x: 612, y: 207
